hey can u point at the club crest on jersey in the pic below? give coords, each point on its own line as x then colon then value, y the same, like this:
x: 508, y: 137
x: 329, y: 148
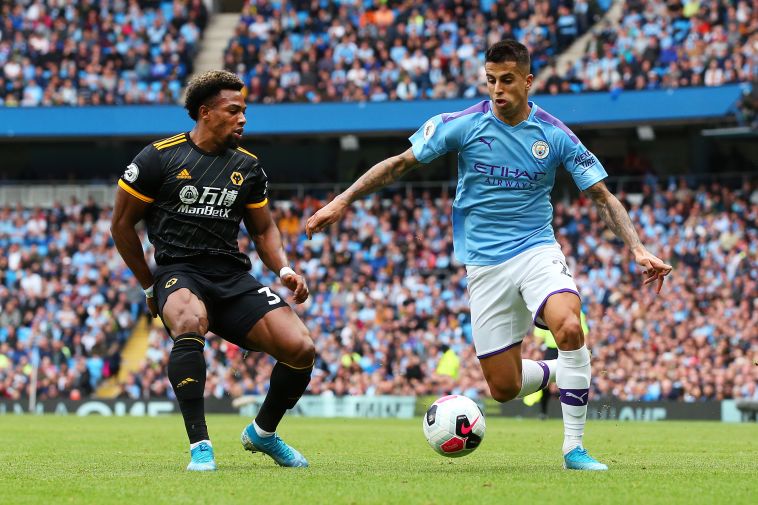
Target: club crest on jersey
x: 540, y: 149
x: 236, y: 178
x: 188, y: 195
x: 170, y: 282
x: 131, y: 173
x: 429, y: 129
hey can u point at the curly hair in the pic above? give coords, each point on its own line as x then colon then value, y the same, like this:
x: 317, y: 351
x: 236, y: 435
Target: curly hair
x: 207, y: 85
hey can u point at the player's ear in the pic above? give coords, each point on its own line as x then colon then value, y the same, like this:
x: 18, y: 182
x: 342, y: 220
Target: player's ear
x: 202, y: 111
x: 529, y: 80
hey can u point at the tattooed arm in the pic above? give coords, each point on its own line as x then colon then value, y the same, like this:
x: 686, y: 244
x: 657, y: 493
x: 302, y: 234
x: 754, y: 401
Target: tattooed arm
x: 382, y: 174
x: 617, y: 219
x: 614, y: 215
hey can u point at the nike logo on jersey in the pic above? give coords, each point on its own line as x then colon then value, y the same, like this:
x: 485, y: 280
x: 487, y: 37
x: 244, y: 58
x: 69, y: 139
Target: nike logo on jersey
x: 486, y: 142
x: 184, y: 174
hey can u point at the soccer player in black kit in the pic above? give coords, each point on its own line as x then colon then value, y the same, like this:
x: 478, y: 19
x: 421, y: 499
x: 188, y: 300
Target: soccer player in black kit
x: 192, y: 190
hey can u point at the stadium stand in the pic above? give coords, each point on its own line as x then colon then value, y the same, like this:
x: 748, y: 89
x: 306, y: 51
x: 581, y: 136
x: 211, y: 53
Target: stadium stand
x: 665, y: 45
x: 112, y: 52
x: 388, y: 308
x: 61, y: 52
x: 389, y: 315
x: 67, y: 300
x: 308, y: 51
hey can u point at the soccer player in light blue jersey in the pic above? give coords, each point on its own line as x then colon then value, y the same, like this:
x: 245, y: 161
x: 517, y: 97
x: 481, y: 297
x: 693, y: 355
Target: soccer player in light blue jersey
x: 508, y: 152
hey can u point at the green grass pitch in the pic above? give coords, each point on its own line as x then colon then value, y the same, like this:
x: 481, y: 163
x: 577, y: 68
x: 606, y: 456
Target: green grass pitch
x: 47, y: 459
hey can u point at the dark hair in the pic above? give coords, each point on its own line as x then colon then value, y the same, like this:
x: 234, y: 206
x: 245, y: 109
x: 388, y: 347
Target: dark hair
x: 208, y: 85
x: 509, y: 50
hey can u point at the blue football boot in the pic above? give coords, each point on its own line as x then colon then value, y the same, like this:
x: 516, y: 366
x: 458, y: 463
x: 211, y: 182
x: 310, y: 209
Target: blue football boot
x: 202, y: 458
x: 283, y: 454
x: 578, y: 459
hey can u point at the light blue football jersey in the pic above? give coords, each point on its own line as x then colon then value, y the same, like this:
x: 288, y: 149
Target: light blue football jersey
x: 505, y: 176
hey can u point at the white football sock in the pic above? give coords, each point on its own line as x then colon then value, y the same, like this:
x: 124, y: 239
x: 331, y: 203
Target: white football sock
x: 536, y: 375
x: 573, y: 378
x: 261, y: 432
x: 192, y: 446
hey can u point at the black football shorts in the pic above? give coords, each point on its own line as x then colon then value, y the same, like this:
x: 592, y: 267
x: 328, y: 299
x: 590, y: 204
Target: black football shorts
x: 235, y: 301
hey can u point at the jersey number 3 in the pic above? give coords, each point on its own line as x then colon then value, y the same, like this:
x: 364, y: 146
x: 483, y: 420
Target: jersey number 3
x: 273, y: 298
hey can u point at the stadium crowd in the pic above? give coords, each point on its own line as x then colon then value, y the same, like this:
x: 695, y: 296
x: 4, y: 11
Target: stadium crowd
x: 377, y: 50
x: 92, y: 52
x: 67, y: 301
x: 666, y: 45
x: 388, y: 307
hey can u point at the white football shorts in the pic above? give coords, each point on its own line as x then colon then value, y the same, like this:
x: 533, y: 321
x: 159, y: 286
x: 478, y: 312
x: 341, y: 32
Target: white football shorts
x: 506, y: 298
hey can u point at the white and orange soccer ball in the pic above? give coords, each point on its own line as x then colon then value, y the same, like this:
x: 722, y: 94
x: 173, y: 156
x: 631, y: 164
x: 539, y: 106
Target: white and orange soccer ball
x: 454, y: 426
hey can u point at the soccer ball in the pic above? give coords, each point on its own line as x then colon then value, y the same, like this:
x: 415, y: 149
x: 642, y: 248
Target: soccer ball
x: 454, y: 426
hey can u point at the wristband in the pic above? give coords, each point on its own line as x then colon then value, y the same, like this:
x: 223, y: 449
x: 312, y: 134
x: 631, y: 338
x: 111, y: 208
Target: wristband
x: 149, y: 291
x: 286, y: 271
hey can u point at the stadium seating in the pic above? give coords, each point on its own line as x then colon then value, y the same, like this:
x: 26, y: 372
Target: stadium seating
x: 67, y: 301
x: 666, y: 45
x: 56, y: 52
x: 389, y: 50
x: 388, y: 301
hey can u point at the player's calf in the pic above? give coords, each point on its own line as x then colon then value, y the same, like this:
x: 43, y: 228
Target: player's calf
x: 504, y: 392
x: 535, y: 376
x: 286, y: 386
x: 186, y: 372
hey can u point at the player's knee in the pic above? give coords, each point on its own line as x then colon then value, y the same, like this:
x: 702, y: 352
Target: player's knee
x: 190, y: 325
x: 301, y: 352
x: 189, y: 321
x: 504, y: 392
x: 569, y: 335
x: 305, y: 354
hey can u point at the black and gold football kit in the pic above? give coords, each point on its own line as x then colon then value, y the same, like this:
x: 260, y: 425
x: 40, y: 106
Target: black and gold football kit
x: 197, y: 202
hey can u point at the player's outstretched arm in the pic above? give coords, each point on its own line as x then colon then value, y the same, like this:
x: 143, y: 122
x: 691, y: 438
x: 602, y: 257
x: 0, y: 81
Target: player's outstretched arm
x: 127, y: 212
x: 617, y: 219
x: 382, y: 174
x: 268, y: 243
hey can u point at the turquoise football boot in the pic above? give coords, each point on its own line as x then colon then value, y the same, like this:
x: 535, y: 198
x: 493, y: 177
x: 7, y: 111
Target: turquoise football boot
x: 202, y: 458
x: 578, y: 459
x: 283, y: 454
